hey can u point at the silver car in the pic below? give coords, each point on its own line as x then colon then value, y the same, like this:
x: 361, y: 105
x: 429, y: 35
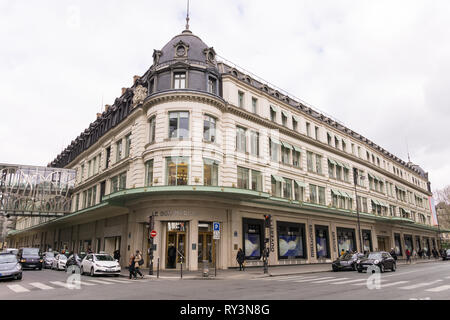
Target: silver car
x: 10, y: 267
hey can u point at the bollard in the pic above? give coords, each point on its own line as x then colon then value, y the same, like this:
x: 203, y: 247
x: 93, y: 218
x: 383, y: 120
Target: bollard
x: 205, y: 270
x: 157, y: 270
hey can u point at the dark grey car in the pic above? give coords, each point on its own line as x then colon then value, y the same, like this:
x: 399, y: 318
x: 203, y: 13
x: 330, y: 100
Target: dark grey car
x: 10, y: 267
x: 383, y: 260
x: 346, y: 262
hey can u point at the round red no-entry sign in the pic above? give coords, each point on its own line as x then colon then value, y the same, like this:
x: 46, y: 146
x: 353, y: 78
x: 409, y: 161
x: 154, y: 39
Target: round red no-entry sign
x: 153, y: 233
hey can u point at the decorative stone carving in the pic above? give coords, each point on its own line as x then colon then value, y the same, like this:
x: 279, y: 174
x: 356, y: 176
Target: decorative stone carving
x: 140, y: 93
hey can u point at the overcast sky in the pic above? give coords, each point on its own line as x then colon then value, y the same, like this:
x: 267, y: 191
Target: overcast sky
x: 380, y: 67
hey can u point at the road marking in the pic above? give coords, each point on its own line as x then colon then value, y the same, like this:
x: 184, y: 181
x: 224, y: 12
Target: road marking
x: 393, y: 284
x: 41, y: 286
x: 119, y: 281
x: 314, y: 279
x: 17, y: 288
x: 423, y: 284
x: 84, y: 283
x: 363, y: 284
x: 329, y: 280
x: 62, y: 284
x: 100, y: 282
x: 351, y: 281
x: 292, y: 278
x: 439, y: 289
x: 447, y: 277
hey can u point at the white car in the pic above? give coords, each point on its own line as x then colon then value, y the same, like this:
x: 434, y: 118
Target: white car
x: 103, y: 263
x: 59, y: 263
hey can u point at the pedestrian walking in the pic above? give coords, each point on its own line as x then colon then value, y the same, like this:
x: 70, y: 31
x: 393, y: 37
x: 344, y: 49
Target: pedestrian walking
x: 131, y: 268
x: 408, y: 256
x: 117, y: 255
x: 138, y: 262
x: 342, y: 252
x: 240, y: 258
x: 393, y: 254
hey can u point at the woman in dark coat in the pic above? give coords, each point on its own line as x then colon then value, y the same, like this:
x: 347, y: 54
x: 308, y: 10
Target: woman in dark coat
x: 240, y: 258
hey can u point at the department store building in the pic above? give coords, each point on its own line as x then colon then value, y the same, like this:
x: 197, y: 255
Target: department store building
x: 196, y: 140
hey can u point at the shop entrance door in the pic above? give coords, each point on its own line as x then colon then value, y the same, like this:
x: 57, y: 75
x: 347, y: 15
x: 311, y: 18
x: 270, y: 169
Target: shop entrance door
x: 206, y: 248
x: 175, y: 249
x: 383, y: 244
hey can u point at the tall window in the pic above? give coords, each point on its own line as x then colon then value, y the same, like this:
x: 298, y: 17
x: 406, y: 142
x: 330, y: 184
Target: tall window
x: 273, y: 113
x: 309, y: 161
x: 149, y: 173
x: 256, y: 180
x: 308, y: 129
x: 321, y: 195
x: 240, y: 99
x: 294, y: 124
x: 284, y: 118
x: 241, y: 139
x: 277, y: 184
x: 152, y: 125
x: 210, y: 172
x: 285, y: 152
x: 287, y: 188
x: 179, y: 125
x: 299, y: 191
x: 177, y: 172
x: 119, y: 150
x: 318, y: 164
x: 316, y: 132
x: 274, y: 146
x: 212, y: 85
x: 296, y: 158
x: 108, y: 157
x: 127, y: 145
x: 179, y: 80
x: 313, y: 193
x: 254, y: 105
x: 242, y: 178
x: 209, y: 128
x: 119, y: 182
x: 254, y: 143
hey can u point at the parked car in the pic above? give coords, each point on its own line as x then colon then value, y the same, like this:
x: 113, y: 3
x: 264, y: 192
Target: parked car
x: 48, y: 258
x: 10, y: 267
x: 100, y: 264
x: 59, y: 263
x: 30, y: 258
x: 11, y: 250
x: 381, y: 259
x: 446, y: 254
x: 347, y: 261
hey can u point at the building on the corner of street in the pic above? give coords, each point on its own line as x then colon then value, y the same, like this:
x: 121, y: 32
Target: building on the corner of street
x: 443, y: 216
x: 196, y: 140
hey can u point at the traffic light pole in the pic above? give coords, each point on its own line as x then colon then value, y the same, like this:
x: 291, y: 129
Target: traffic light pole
x: 150, y: 228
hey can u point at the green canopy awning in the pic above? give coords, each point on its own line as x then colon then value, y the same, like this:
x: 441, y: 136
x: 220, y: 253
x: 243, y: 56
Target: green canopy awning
x: 273, y: 108
x: 278, y: 178
x: 349, y: 195
x: 336, y: 192
x: 285, y: 113
x: 332, y: 162
x: 286, y: 145
x: 295, y: 118
x: 376, y: 202
x: 371, y: 175
x: 346, y: 166
x: 300, y: 183
x: 297, y: 149
x: 400, y: 188
x: 274, y: 140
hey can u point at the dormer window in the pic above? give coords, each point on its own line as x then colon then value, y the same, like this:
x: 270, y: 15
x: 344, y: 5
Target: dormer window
x: 212, y: 85
x: 179, y: 80
x: 181, y: 49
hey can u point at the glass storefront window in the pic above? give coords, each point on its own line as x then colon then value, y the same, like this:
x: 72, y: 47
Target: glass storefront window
x: 253, y: 238
x: 322, y: 242
x: 291, y: 240
x: 346, y: 240
x: 367, y: 240
x: 398, y: 245
x: 408, y: 243
x: 177, y: 171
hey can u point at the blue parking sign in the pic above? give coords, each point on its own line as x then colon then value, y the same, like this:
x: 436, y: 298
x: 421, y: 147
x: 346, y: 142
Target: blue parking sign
x: 216, y: 226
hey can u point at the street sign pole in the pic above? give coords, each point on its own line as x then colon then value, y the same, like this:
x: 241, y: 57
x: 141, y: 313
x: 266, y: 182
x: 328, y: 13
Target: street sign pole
x: 216, y: 236
x: 150, y: 229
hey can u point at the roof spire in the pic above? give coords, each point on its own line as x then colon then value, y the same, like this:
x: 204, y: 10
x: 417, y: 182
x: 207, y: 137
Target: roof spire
x: 187, y: 16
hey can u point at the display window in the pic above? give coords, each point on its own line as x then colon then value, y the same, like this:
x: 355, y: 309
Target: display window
x: 346, y: 240
x: 253, y: 238
x: 291, y: 240
x: 398, y: 245
x: 322, y: 242
x: 367, y: 240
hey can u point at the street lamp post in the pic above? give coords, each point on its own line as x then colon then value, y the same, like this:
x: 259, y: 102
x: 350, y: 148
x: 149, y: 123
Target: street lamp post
x: 355, y: 180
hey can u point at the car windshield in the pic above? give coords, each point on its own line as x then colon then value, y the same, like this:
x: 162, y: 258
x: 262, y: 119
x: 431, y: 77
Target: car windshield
x: 104, y: 257
x: 7, y: 258
x: 50, y: 255
x: 81, y: 256
x: 62, y: 257
x: 347, y: 256
x: 375, y: 255
x: 30, y: 251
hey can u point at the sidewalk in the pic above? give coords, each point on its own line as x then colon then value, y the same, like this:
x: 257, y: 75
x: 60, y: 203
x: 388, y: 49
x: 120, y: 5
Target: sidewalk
x: 251, y: 272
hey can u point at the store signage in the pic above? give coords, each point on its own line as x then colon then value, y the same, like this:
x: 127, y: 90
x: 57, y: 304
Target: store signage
x: 334, y: 241
x: 311, y: 240
x: 216, y: 229
x: 172, y: 212
x: 272, y: 237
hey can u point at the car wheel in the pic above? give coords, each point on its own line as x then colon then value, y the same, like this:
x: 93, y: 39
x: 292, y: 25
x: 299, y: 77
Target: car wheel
x: 354, y: 267
x: 335, y: 269
x: 92, y: 272
x: 381, y: 267
x: 81, y: 271
x: 394, y: 267
x: 360, y: 270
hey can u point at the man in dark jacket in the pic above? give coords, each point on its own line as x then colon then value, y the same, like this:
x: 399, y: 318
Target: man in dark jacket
x: 393, y: 254
x: 240, y: 258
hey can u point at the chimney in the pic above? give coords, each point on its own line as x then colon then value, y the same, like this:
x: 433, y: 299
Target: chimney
x: 135, y: 78
x: 107, y: 106
x: 123, y: 90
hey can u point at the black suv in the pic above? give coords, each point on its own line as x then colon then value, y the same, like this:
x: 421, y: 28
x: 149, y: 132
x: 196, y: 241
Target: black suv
x: 30, y: 258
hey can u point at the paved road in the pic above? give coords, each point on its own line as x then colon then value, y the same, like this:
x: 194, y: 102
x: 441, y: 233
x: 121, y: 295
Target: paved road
x: 421, y: 281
